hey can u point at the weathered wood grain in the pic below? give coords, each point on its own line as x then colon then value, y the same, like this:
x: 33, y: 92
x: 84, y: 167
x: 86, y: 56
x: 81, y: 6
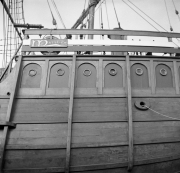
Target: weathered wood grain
x: 88, y: 110
x: 70, y: 115
x: 92, y: 158
x: 9, y: 112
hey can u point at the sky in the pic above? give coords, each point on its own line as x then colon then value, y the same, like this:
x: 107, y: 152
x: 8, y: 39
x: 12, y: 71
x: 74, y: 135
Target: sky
x: 37, y: 12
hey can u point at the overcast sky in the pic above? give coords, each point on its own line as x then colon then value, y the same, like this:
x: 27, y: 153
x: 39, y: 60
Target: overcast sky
x: 37, y: 12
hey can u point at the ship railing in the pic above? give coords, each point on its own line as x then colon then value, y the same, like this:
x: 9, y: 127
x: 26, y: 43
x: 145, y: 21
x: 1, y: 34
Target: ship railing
x: 7, y: 70
x: 172, y: 45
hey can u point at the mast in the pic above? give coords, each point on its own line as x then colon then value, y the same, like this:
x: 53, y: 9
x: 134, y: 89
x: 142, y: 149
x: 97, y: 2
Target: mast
x: 92, y: 4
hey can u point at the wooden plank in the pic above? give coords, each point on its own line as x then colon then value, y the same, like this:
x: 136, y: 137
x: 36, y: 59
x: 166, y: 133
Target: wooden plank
x: 56, y: 110
x: 150, y: 163
x: 100, y: 76
x: 176, y: 76
x: 9, y: 112
x: 130, y: 120
x: 152, y: 72
x: 100, y: 32
x: 45, y: 74
x: 70, y: 115
x: 47, y: 136
x: 105, y: 48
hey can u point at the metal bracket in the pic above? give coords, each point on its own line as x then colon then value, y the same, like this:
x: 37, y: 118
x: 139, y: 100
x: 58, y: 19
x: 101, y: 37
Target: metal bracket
x: 142, y: 105
x: 9, y: 124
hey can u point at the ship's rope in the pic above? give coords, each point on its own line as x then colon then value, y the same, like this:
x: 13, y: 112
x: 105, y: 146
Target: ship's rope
x: 11, y: 38
x: 107, y: 14
x: 161, y: 113
x: 53, y: 18
x: 4, y: 36
x: 116, y: 14
x: 147, y: 15
x: 171, y: 29
x: 176, y: 11
x: 59, y: 15
x: 140, y: 15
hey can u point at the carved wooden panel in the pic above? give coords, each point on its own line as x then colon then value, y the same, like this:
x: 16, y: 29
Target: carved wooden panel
x: 164, y: 78
x: 86, y: 76
x: 113, y: 76
x: 139, y: 76
x: 31, y: 77
x: 59, y: 76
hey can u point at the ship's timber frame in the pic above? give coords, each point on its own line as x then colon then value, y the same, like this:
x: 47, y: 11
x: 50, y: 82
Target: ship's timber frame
x: 71, y: 96
x: 110, y: 48
x: 99, y: 32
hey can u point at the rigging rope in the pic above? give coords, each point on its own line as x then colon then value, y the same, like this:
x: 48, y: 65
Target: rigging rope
x: 140, y: 15
x: 171, y: 29
x: 147, y: 15
x: 116, y: 14
x: 11, y: 39
x: 58, y: 13
x: 176, y: 11
x: 107, y: 14
x: 162, y: 114
x: 53, y: 19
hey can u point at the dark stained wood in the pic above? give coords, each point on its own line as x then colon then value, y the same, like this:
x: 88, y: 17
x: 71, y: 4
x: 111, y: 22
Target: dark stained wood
x: 9, y: 112
x: 70, y: 115
x: 129, y: 111
x: 91, y: 159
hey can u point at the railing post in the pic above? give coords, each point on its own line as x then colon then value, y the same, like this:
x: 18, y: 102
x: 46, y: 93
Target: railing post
x: 69, y: 133
x: 9, y: 112
x: 129, y: 110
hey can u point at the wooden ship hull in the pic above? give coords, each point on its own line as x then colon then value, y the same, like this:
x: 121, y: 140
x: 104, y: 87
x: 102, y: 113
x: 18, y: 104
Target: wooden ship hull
x: 95, y: 109
x: 91, y: 113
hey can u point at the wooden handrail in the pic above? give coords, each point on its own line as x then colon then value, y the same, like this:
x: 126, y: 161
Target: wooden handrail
x: 10, y: 63
x: 99, y: 32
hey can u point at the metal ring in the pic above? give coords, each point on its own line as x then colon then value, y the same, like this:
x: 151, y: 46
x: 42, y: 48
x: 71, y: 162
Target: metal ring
x: 60, y: 72
x: 32, y: 73
x: 87, y: 72
x: 112, y: 72
x: 139, y: 71
x: 142, y: 105
x: 163, y: 72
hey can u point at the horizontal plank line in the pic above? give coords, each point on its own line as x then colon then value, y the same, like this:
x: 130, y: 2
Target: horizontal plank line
x: 89, y: 96
x: 93, y: 121
x: 100, y: 32
x: 97, y: 167
x: 105, y: 48
x: 75, y: 146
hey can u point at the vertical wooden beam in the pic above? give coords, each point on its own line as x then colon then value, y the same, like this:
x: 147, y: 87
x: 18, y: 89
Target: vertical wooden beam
x: 69, y: 134
x: 9, y: 113
x: 152, y: 77
x: 130, y: 120
x: 100, y: 76
x: 45, y: 73
x: 176, y: 78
